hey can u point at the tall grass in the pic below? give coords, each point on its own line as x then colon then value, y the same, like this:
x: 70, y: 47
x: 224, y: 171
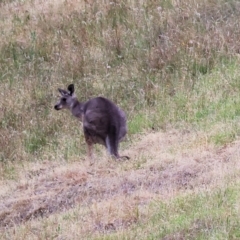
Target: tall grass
x: 162, y: 62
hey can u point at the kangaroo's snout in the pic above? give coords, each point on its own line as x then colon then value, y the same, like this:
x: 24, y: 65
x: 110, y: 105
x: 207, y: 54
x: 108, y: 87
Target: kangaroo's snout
x: 56, y: 107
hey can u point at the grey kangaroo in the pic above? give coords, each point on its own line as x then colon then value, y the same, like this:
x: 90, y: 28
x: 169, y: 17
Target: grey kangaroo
x: 103, y: 122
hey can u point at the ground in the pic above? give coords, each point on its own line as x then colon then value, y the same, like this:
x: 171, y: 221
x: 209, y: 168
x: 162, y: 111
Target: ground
x: 162, y: 165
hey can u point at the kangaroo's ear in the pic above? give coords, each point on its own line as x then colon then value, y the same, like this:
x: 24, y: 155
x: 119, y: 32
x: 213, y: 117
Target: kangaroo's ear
x: 63, y: 92
x: 71, y: 89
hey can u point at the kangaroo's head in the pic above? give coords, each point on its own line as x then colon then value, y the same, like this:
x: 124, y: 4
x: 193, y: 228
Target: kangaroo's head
x: 67, y: 98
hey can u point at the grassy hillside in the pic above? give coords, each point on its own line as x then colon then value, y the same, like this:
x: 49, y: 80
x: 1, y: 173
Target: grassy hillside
x: 173, y: 66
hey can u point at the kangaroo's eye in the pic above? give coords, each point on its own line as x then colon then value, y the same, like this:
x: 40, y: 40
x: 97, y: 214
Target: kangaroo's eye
x: 64, y: 99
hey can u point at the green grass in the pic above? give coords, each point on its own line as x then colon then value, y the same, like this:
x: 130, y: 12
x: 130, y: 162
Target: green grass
x: 206, y: 215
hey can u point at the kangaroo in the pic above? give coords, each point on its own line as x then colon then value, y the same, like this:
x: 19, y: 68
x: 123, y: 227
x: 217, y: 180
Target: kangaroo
x: 103, y: 122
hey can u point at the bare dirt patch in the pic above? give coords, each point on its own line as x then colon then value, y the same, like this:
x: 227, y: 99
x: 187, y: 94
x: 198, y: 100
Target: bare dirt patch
x: 161, y: 166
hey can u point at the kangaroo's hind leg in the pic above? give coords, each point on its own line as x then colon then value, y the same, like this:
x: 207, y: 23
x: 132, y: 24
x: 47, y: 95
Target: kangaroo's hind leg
x: 89, y: 143
x: 112, y: 141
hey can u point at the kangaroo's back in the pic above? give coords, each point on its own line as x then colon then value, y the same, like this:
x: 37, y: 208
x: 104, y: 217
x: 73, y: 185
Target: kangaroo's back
x: 105, y: 123
x: 100, y: 112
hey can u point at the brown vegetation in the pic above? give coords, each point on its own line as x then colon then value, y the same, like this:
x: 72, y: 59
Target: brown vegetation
x: 119, y: 190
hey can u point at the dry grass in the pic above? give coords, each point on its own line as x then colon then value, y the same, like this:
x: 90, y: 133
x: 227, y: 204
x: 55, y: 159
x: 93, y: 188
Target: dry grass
x: 111, y: 196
